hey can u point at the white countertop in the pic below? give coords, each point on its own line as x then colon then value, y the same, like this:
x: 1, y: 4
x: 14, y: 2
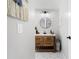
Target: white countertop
x: 45, y: 34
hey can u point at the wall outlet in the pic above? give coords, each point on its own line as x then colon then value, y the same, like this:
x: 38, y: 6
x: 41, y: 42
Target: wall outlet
x: 20, y: 28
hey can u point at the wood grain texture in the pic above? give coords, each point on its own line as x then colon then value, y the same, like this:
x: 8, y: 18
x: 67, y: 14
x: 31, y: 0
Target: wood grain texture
x: 20, y: 12
x: 45, y: 43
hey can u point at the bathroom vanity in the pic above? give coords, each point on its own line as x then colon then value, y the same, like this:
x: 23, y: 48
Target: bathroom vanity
x: 45, y: 43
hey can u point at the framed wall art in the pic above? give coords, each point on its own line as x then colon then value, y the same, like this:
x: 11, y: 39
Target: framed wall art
x: 18, y: 9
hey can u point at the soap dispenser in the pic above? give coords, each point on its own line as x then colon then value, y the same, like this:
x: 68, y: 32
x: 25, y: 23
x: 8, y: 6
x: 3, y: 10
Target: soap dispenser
x: 52, y: 32
x: 36, y: 30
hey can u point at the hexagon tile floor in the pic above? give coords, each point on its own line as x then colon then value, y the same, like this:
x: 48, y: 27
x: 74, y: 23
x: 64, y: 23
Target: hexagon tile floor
x: 50, y: 55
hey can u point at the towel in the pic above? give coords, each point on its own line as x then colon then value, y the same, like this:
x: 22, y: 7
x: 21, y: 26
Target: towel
x: 19, y: 2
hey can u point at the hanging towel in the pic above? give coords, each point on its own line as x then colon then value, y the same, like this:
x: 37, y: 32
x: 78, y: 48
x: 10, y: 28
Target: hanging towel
x: 19, y: 2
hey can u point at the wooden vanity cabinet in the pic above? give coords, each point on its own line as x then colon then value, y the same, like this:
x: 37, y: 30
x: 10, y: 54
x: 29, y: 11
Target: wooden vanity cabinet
x: 45, y: 43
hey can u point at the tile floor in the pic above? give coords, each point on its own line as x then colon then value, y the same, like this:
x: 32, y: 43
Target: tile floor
x: 49, y: 55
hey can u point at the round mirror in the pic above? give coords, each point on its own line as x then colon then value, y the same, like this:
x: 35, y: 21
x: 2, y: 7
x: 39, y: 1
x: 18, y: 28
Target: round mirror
x: 45, y: 22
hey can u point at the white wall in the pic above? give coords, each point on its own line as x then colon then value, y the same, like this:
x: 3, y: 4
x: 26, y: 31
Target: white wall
x: 64, y: 25
x: 21, y: 45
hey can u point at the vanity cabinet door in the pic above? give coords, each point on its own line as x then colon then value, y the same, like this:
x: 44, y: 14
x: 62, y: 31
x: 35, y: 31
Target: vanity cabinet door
x: 39, y: 41
x: 48, y: 41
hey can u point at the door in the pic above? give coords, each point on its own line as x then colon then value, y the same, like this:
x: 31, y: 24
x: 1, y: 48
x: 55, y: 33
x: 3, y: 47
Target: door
x: 65, y: 28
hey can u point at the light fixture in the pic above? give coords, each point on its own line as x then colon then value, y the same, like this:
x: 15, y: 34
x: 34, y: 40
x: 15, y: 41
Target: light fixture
x: 45, y: 14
